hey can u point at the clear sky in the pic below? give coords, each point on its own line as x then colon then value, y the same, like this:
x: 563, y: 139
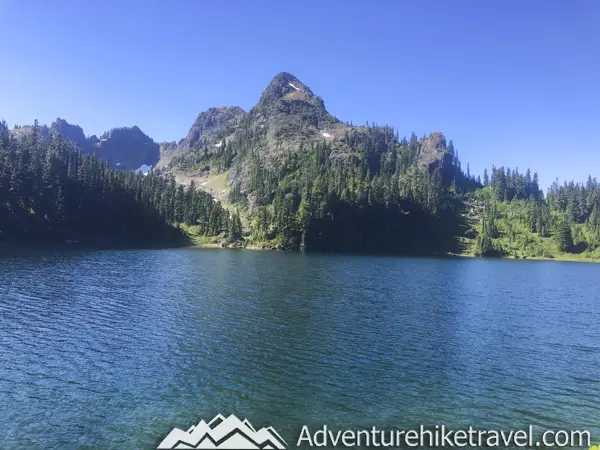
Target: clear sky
x: 511, y: 82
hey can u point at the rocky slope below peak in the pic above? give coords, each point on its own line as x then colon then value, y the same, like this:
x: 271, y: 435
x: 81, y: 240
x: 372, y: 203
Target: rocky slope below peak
x: 167, y: 147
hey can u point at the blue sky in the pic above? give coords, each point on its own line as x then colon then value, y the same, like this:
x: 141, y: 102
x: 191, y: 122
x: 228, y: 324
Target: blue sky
x: 511, y: 82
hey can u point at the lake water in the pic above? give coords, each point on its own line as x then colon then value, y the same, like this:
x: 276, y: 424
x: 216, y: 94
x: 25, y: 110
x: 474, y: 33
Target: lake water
x: 113, y: 349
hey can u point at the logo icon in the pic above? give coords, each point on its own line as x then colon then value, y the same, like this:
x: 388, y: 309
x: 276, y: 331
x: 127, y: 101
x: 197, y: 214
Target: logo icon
x: 223, y: 433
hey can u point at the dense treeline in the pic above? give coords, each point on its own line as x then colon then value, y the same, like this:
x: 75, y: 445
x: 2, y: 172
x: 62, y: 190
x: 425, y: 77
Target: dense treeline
x: 377, y: 198
x: 512, y: 216
x: 513, y: 185
x: 579, y: 206
x: 51, y: 192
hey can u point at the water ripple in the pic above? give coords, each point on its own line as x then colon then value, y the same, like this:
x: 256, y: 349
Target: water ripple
x: 111, y: 349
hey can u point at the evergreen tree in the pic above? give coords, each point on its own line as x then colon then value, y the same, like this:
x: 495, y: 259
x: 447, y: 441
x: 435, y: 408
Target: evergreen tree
x: 563, y: 236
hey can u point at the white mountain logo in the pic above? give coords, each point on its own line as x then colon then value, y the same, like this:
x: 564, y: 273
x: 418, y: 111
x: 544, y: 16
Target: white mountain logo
x: 223, y: 433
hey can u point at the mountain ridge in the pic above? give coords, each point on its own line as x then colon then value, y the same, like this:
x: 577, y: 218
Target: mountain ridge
x: 288, y: 113
x: 124, y: 148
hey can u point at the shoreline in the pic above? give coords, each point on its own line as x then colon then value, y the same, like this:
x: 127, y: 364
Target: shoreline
x: 526, y: 258
x: 214, y: 243
x: 560, y: 258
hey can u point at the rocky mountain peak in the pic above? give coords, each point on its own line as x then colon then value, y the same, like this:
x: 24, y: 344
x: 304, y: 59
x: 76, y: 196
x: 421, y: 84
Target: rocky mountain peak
x: 73, y: 133
x: 286, y: 87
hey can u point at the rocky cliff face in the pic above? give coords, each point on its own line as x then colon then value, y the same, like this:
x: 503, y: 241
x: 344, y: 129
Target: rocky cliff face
x: 213, y: 124
x: 433, y: 151
x: 167, y: 147
x: 208, y: 134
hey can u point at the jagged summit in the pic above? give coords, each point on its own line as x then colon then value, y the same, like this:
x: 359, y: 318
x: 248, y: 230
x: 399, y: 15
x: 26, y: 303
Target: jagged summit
x: 286, y: 87
x: 73, y: 133
x: 290, y: 116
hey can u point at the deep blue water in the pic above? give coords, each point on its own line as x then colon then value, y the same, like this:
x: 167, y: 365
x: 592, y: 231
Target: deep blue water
x: 112, y: 349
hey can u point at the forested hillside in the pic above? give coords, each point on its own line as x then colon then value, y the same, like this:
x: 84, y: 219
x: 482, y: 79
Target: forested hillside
x: 376, y: 199
x: 50, y: 192
x: 512, y: 217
